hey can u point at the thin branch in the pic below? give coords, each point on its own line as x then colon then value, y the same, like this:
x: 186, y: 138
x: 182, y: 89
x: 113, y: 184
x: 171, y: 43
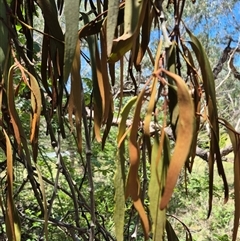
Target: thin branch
x: 230, y: 66
x: 89, y: 170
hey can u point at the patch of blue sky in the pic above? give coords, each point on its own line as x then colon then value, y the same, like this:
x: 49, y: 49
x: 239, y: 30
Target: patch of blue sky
x: 219, y: 27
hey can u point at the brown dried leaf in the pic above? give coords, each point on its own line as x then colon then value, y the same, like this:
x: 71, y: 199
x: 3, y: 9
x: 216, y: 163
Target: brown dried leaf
x: 184, y: 137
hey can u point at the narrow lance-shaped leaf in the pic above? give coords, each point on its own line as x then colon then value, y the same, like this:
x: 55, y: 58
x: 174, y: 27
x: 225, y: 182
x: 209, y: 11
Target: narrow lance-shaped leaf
x: 193, y: 73
x: 108, y: 110
x: 151, y: 103
x: 96, y: 72
x: 133, y: 18
x: 112, y: 17
x: 76, y: 96
x: 133, y: 185
x: 13, y: 114
x: 159, y: 165
x: 235, y: 140
x: 19, y: 133
x: 13, y: 226
x: 184, y: 137
x: 209, y: 87
x: 146, y: 28
x: 36, y: 102
x: 119, y: 179
x: 71, y: 12
x: 172, y: 94
x: 4, y: 36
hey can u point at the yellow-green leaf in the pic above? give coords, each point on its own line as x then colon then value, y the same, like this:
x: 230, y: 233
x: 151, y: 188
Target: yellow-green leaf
x: 119, y: 179
x: 156, y: 185
x: 124, y: 114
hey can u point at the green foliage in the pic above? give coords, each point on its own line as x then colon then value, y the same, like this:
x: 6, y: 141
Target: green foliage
x: 96, y: 123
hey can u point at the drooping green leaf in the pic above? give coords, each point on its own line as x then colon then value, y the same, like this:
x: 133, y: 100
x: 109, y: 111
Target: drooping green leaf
x: 133, y: 17
x: 159, y: 164
x: 235, y: 140
x: 119, y: 179
x: 71, y: 12
x: 146, y: 28
x: 124, y: 116
x: 112, y: 16
x: 209, y: 88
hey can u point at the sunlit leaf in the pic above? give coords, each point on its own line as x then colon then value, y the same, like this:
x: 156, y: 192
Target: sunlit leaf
x: 71, y: 12
x: 156, y: 185
x: 76, y: 97
x: 36, y: 102
x: 184, y: 137
x: 193, y: 74
x: 133, y: 18
x: 112, y: 16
